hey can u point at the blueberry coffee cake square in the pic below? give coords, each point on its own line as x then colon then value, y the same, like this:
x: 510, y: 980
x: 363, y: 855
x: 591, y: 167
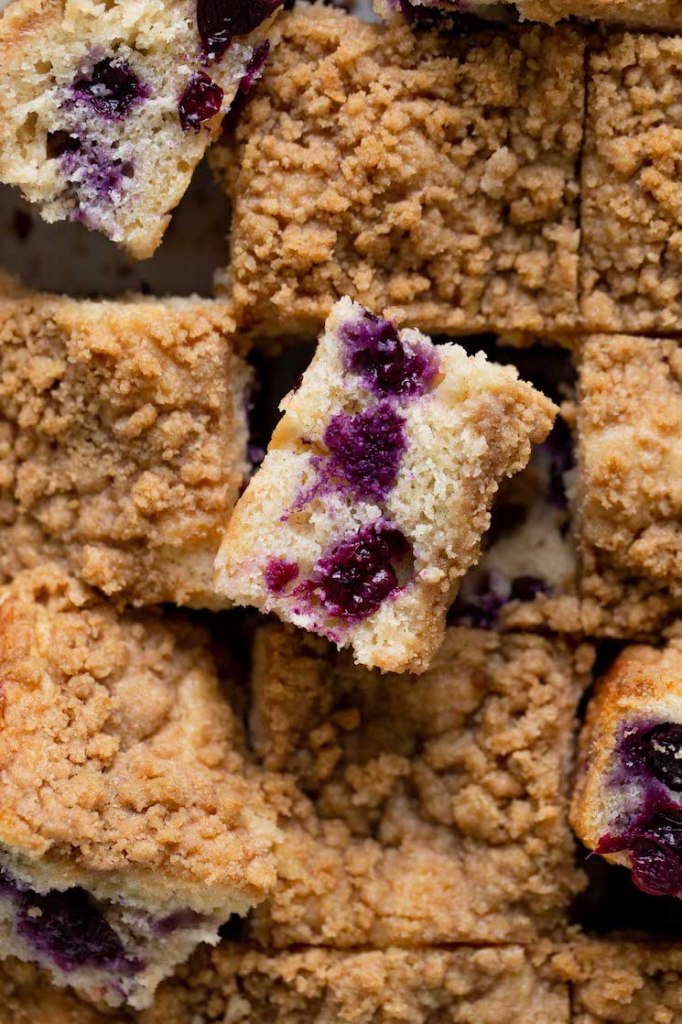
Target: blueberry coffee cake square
x: 631, y: 249
x: 424, y: 809
x: 508, y: 985
x: 627, y: 804
x: 131, y: 827
x: 107, y: 107
x: 622, y: 982
x: 123, y: 441
x: 629, y: 490
x: 431, y: 176
x: 376, y: 488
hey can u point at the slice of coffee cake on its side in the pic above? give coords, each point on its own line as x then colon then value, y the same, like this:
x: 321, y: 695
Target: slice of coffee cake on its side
x: 376, y: 488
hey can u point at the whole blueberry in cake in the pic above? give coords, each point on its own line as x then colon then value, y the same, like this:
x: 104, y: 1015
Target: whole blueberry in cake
x: 106, y: 110
x: 628, y: 800
x: 375, y: 491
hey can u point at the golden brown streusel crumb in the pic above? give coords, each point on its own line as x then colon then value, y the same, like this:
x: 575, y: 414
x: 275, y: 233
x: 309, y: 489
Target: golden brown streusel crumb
x: 122, y: 441
x: 462, y: 986
x: 631, y: 251
x: 614, y: 982
x: 27, y: 997
x: 120, y: 762
x: 630, y: 484
x: 424, y: 809
x: 431, y: 177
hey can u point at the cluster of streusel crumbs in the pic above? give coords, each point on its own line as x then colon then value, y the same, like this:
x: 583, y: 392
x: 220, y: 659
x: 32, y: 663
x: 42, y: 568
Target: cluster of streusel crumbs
x: 306, y: 708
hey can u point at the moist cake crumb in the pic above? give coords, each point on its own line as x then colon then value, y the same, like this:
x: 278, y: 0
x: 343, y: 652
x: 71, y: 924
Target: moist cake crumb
x: 377, y: 486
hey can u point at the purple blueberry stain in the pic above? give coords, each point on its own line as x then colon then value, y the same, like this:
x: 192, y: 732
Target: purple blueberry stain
x: 97, y: 175
x: 361, y: 572
x: 365, y: 450
x: 650, y: 754
x: 255, y: 67
x: 387, y: 364
x: 68, y: 928
x: 279, y: 573
x: 111, y: 89
x: 219, y: 21
x: 201, y: 100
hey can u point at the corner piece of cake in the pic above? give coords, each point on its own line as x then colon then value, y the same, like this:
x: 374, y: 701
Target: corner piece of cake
x: 107, y: 107
x: 418, y: 810
x: 131, y: 827
x: 628, y: 800
x: 376, y: 488
x: 123, y: 441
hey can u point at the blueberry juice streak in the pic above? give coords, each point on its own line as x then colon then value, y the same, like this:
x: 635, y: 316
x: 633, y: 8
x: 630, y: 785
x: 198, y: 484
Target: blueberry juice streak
x: 388, y: 365
x: 361, y: 572
x: 651, y: 755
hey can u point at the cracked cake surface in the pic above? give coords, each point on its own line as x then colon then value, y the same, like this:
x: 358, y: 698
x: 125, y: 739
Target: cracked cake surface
x: 431, y: 177
x: 106, y: 108
x: 123, y: 782
x: 629, y: 497
x: 418, y: 810
x: 376, y: 488
x: 123, y: 439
